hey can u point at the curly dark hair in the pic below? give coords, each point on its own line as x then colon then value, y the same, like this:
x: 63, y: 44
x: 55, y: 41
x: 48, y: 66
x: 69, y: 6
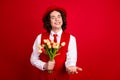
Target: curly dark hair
x: 46, y: 18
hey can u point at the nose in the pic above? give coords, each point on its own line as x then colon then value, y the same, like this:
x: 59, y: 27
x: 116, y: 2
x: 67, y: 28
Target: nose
x: 56, y: 19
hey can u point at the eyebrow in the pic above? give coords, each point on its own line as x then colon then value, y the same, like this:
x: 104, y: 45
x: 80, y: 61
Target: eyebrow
x: 54, y: 16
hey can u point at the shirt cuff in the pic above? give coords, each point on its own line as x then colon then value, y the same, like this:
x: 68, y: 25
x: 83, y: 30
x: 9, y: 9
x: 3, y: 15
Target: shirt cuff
x: 42, y: 66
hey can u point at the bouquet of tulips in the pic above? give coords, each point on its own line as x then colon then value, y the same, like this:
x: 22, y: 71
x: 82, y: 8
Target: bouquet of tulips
x: 51, y: 48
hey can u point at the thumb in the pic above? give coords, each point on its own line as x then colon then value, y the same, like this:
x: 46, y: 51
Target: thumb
x: 80, y: 69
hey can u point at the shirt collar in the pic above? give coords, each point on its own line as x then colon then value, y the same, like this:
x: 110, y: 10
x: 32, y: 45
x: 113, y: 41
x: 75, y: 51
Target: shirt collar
x: 58, y: 33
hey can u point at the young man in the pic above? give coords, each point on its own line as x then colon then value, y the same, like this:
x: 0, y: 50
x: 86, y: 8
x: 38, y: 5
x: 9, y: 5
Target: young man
x: 65, y: 63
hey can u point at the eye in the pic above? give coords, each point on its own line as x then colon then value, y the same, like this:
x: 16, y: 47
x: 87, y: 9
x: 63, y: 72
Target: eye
x: 52, y: 17
x: 59, y: 16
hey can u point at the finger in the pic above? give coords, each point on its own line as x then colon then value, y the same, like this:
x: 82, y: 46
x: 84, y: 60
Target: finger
x: 80, y: 69
x: 51, y: 63
x: 72, y: 71
x: 69, y: 71
x: 76, y: 72
x: 50, y: 67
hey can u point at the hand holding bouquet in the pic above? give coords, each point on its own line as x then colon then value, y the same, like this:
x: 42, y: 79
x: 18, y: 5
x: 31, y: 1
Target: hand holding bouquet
x: 50, y: 48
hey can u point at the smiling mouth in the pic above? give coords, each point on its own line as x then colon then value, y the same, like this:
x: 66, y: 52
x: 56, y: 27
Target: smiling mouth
x: 57, y: 23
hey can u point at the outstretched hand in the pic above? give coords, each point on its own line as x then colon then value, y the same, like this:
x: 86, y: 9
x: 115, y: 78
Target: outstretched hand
x: 73, y: 69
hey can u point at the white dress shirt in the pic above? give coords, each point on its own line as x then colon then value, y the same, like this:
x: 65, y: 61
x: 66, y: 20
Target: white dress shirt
x: 71, y: 56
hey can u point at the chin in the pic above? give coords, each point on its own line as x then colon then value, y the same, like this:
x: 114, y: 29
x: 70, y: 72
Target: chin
x: 58, y: 26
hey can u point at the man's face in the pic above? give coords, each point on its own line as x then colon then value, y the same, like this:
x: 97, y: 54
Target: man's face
x: 56, y: 20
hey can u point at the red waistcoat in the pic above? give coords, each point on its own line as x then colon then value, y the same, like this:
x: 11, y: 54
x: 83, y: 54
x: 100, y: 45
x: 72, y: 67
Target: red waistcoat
x: 59, y: 72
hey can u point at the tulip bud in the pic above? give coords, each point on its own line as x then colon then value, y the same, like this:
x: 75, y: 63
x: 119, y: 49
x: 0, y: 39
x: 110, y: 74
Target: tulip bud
x: 48, y: 43
x: 40, y: 47
x: 57, y: 45
x: 45, y: 40
x: 63, y: 44
x: 49, y: 46
x: 52, y: 41
x: 40, y: 51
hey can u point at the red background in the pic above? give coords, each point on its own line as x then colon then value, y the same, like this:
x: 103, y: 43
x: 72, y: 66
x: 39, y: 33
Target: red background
x: 95, y: 23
